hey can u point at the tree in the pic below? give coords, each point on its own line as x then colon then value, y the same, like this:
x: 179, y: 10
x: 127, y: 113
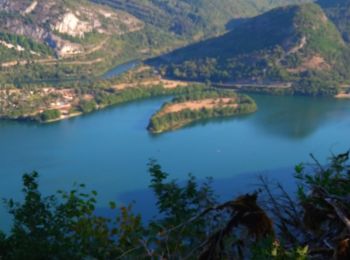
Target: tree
x: 191, y: 223
x: 87, y: 106
x: 48, y: 115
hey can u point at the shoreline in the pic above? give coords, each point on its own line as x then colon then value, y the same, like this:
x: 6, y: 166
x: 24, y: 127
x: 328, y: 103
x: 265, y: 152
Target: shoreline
x: 342, y: 96
x: 63, y: 118
x: 77, y: 114
x: 147, y: 85
x: 183, y: 111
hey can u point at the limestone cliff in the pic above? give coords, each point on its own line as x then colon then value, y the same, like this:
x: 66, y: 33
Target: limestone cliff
x: 63, y: 24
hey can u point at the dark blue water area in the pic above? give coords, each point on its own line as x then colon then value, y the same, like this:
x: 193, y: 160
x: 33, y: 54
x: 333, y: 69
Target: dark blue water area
x: 109, y: 150
x: 143, y: 201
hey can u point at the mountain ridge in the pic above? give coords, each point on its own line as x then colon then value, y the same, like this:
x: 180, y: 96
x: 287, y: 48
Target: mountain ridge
x: 286, y: 44
x: 71, y: 39
x: 187, y: 16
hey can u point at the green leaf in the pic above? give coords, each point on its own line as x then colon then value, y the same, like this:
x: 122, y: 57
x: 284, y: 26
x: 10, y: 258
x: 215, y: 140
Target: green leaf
x: 112, y: 205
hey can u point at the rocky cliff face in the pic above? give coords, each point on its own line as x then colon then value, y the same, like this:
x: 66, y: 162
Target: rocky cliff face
x: 58, y: 22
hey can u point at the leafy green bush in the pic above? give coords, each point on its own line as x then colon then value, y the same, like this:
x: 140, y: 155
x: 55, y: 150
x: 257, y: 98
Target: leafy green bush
x: 87, y: 106
x: 190, y: 222
x: 48, y: 115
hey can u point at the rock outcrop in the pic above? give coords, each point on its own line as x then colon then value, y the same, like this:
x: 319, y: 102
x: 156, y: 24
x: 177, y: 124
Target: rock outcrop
x: 56, y: 23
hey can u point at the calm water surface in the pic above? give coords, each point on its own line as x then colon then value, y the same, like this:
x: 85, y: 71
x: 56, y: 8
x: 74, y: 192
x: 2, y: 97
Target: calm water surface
x: 108, y: 150
x: 121, y: 69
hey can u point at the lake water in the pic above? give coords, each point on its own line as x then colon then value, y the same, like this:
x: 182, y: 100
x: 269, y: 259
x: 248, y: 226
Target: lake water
x: 108, y: 150
x: 120, y: 69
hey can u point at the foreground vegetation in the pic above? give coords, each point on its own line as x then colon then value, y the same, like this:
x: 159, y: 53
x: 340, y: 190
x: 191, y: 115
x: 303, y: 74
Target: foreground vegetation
x: 196, y: 106
x: 191, y: 223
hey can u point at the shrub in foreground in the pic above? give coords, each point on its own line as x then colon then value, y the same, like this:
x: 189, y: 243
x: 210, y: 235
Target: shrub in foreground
x: 191, y: 223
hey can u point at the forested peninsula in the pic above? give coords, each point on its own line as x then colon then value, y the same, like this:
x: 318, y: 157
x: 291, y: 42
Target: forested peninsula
x: 200, y: 105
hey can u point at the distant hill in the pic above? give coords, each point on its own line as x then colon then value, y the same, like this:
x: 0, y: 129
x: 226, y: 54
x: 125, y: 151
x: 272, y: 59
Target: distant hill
x: 60, y: 39
x: 194, y: 17
x: 297, y: 44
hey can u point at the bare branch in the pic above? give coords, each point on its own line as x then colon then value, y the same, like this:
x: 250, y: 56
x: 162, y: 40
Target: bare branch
x: 340, y: 213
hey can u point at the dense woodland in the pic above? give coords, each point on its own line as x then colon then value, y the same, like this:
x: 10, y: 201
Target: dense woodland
x: 339, y: 12
x: 255, y: 50
x: 167, y: 25
x: 189, y: 18
x: 25, y: 104
x: 37, y: 49
x: 276, y: 46
x: 191, y: 223
x: 161, y: 122
x: 117, y: 50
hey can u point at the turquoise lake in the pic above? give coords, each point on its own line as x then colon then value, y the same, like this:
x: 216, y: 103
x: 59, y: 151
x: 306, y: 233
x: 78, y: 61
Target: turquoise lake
x: 108, y: 150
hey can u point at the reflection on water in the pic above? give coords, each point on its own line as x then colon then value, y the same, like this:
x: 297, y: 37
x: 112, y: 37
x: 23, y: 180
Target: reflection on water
x: 287, y: 117
x: 144, y: 200
x: 108, y: 150
x: 204, y: 123
x: 297, y: 117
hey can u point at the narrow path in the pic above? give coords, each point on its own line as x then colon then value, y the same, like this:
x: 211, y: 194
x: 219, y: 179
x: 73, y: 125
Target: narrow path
x: 49, y: 62
x: 281, y: 85
x: 52, y: 61
x: 97, y: 47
